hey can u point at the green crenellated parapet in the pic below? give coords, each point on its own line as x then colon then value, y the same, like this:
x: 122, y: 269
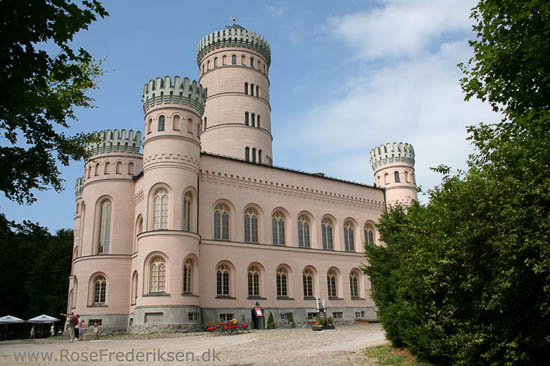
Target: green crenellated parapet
x: 234, y: 36
x: 391, y: 153
x: 114, y: 141
x: 78, y: 186
x: 173, y: 91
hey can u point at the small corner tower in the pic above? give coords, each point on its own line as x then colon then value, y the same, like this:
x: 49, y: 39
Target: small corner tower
x: 393, y: 165
x: 234, y: 67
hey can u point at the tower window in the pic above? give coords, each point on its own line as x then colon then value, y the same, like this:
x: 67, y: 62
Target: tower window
x: 253, y: 120
x: 246, y: 122
x: 246, y: 88
x: 205, y: 123
x: 252, y: 89
x: 257, y: 91
x: 161, y: 123
x: 215, y: 62
x: 234, y: 59
x: 396, y: 176
x: 258, y: 121
x: 253, y: 154
x: 252, y: 62
x: 260, y: 156
x: 247, y: 153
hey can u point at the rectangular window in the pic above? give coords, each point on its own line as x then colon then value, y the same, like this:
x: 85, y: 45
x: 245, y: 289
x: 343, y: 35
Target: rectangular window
x: 337, y: 315
x: 360, y: 314
x: 284, y: 316
x: 311, y: 316
x: 91, y: 322
x: 225, y: 317
x: 234, y: 59
x: 193, y: 317
x: 153, y: 317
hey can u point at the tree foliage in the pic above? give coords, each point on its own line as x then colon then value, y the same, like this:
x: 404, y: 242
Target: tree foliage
x: 465, y: 279
x: 42, y: 80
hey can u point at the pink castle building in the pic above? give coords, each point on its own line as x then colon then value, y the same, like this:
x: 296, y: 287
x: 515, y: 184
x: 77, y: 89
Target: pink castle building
x: 200, y: 225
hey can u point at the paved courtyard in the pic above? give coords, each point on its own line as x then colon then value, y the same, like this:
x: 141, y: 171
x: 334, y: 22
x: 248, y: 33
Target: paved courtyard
x: 341, y: 346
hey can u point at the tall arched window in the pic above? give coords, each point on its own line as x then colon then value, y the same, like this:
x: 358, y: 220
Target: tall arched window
x: 253, y: 154
x: 253, y: 281
x: 259, y: 156
x: 282, y: 277
x: 222, y: 280
x: 187, y: 212
x: 96, y: 170
x: 160, y: 217
x: 348, y: 237
x: 303, y: 232
x: 187, y: 276
x: 354, y: 284
x: 331, y: 284
x: 107, y: 168
x: 257, y: 91
x: 118, y: 168
x: 190, y: 125
x: 233, y: 59
x: 134, y: 288
x: 253, y: 119
x: 158, y: 275
x: 369, y: 235
x: 278, y: 223
x: 407, y: 176
x: 221, y: 222
x: 215, y: 62
x: 161, y: 123
x: 386, y: 178
x: 100, y: 288
x: 246, y: 121
x: 396, y: 177
x: 247, y: 153
x: 308, y: 283
x: 176, y: 122
x: 258, y: 121
x: 246, y: 88
x: 251, y: 226
x: 104, y: 227
x: 131, y: 168
x: 326, y: 229
x: 224, y: 60
x: 150, y: 125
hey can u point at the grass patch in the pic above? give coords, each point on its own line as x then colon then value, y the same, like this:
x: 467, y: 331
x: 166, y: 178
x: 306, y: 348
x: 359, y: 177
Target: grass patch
x: 387, y: 355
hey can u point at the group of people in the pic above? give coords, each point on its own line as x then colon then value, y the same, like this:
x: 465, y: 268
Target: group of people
x: 76, y: 326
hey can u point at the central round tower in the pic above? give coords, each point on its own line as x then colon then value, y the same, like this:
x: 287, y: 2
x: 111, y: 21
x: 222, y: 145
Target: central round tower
x: 234, y: 66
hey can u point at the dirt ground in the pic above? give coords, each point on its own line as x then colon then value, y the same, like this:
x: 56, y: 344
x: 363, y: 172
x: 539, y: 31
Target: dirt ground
x: 302, y: 346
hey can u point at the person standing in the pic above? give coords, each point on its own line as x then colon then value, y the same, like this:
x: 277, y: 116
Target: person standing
x: 81, y: 328
x: 70, y: 324
x: 76, y: 327
x: 52, y: 330
x: 32, y: 332
x: 96, y: 331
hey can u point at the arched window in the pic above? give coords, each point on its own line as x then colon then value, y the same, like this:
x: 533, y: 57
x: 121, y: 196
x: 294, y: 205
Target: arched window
x: 253, y: 154
x: 258, y: 121
x: 407, y: 176
x: 234, y: 59
x: 89, y: 171
x: 205, y: 123
x: 139, y: 228
x: 160, y: 217
x: 253, y: 281
x: 215, y: 62
x: 386, y: 178
x: 246, y: 88
x: 104, y: 227
x: 100, y: 288
x: 161, y: 123
x: 308, y: 283
x: 134, y: 288
x: 158, y: 275
x: 253, y: 118
x: 326, y: 229
x: 222, y: 280
x: 131, y: 168
x: 303, y: 232
x: 278, y: 223
x: 208, y: 65
x: 187, y: 212
x: 252, y: 89
x: 224, y: 60
x: 246, y: 122
x: 118, y: 168
x: 257, y: 91
x: 221, y: 223
x: 107, y: 168
x: 247, y: 153
x: 190, y: 126
x: 176, y: 122
x: 354, y: 284
x: 251, y: 226
x: 96, y: 170
x: 369, y: 235
x: 396, y: 177
x: 252, y: 62
x: 150, y: 126
x: 243, y: 60
x: 348, y: 237
x: 187, y: 273
x: 331, y: 284
x: 282, y: 278
x: 259, y: 156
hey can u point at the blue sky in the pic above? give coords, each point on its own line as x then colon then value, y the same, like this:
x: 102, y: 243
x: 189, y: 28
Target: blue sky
x: 345, y: 76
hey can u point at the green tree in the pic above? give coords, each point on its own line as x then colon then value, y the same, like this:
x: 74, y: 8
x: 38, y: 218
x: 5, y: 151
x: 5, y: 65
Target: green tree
x: 464, y: 280
x: 42, y: 80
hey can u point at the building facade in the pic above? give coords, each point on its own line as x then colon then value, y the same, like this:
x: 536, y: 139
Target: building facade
x: 199, y: 225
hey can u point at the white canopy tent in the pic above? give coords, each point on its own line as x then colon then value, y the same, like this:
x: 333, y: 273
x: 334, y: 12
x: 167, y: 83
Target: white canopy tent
x: 8, y: 319
x: 43, y: 319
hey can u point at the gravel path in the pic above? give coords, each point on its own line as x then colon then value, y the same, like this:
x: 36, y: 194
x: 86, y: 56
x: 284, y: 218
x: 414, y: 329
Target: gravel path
x: 270, y: 347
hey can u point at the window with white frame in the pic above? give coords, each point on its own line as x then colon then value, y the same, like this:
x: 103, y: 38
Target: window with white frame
x: 278, y: 225
x: 251, y: 226
x: 326, y: 230
x: 160, y: 216
x: 187, y: 276
x: 222, y: 280
x: 331, y: 284
x: 221, y: 222
x: 253, y: 281
x: 303, y: 232
x: 348, y: 237
x: 104, y: 227
x: 282, y: 277
x: 308, y: 283
x: 100, y: 289
x: 157, y: 281
x: 354, y: 285
x: 187, y: 211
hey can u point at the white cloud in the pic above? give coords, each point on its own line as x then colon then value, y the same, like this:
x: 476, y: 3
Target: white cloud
x: 276, y: 11
x: 401, y: 28
x: 415, y: 98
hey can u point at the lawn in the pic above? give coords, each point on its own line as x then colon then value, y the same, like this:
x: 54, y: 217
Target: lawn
x: 387, y: 355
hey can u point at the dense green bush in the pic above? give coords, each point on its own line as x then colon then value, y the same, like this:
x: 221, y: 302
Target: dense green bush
x: 465, y: 279
x: 270, y: 321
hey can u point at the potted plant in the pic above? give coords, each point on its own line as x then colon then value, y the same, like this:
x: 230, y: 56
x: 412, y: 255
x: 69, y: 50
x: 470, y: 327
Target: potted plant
x: 270, y: 322
x: 291, y: 320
